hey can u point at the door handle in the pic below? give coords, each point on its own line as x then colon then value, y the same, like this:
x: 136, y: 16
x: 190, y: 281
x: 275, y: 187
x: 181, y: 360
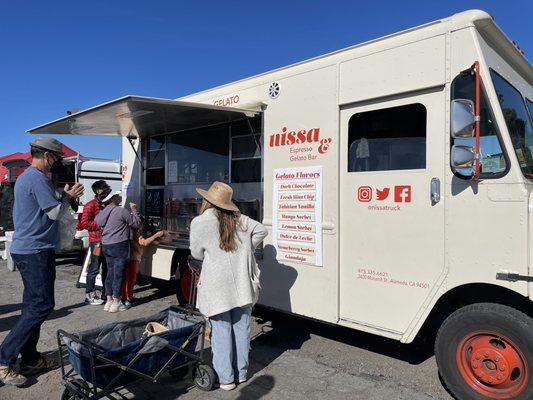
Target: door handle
x: 435, y: 191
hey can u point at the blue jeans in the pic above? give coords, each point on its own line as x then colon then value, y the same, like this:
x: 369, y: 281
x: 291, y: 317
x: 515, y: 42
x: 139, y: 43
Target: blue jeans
x: 230, y: 341
x: 117, y: 257
x: 38, y: 272
x: 93, y: 269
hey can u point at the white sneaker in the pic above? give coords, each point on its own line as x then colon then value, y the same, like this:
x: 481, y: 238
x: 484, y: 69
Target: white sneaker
x: 124, y: 305
x: 8, y: 376
x: 115, y: 306
x: 228, y: 387
x: 90, y: 298
x: 107, y: 305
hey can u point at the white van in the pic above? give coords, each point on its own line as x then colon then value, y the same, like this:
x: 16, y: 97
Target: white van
x: 395, y: 177
x: 84, y: 170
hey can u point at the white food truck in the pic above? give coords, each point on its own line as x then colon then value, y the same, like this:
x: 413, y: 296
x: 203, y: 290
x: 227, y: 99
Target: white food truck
x: 395, y: 177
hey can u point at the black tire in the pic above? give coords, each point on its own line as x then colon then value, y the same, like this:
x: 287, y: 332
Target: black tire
x: 204, y: 377
x: 81, y: 385
x: 478, y: 341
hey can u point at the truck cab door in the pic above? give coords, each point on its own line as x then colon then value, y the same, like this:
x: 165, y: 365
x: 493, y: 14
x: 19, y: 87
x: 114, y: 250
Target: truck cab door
x: 392, y: 157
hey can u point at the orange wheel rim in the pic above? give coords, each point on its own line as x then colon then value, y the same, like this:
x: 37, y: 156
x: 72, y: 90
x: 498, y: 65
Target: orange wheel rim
x: 492, y: 365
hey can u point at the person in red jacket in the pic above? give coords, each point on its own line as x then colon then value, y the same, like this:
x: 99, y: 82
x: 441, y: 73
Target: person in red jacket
x: 90, y: 211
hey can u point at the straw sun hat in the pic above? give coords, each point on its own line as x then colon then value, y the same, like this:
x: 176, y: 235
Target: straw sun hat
x: 219, y: 194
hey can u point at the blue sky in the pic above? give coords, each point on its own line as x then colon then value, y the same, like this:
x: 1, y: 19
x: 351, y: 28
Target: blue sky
x: 57, y: 55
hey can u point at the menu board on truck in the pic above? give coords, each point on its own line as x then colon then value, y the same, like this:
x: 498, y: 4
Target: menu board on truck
x: 154, y: 202
x: 297, y: 215
x: 172, y: 175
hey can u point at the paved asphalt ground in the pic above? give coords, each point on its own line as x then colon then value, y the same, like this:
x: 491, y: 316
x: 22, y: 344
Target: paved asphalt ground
x: 291, y: 358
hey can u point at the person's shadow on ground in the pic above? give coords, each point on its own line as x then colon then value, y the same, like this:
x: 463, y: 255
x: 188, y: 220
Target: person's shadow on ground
x: 276, y: 336
x: 159, y: 291
x: 282, y: 332
x: 276, y: 281
x: 257, y: 388
x: 7, y: 323
x: 9, y: 308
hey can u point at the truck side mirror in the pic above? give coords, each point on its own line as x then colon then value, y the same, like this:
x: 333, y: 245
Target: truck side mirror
x: 463, y: 156
x: 463, y: 119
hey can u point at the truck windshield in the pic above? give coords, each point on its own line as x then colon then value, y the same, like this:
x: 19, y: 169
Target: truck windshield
x: 518, y: 122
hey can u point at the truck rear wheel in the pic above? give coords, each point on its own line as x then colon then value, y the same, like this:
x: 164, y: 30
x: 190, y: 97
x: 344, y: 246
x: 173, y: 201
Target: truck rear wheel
x: 485, y: 351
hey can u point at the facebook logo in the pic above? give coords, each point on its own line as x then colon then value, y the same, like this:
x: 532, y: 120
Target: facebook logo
x: 402, y: 194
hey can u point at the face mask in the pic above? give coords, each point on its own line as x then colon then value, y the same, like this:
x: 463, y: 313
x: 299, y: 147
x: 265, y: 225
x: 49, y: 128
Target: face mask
x: 56, y: 167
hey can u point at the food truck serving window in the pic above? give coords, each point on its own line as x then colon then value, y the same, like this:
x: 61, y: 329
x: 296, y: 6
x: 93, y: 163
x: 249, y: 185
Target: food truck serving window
x: 199, y: 156
x: 246, y: 139
x: 155, y: 161
x: 229, y: 152
x: 207, y: 154
x: 388, y: 139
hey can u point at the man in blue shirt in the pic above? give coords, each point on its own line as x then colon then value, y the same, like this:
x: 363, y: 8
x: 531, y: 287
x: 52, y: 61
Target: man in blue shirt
x: 36, y: 211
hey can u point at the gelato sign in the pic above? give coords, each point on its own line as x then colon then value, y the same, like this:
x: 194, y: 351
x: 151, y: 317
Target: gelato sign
x: 297, y: 215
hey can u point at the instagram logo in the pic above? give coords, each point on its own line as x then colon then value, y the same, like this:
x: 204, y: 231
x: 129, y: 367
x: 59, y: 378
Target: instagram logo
x: 402, y: 194
x: 364, y: 194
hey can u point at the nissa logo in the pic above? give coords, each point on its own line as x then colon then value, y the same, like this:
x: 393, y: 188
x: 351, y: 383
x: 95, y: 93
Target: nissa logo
x: 289, y: 138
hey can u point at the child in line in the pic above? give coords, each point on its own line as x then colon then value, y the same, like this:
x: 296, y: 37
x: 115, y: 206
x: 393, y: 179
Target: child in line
x: 137, y: 245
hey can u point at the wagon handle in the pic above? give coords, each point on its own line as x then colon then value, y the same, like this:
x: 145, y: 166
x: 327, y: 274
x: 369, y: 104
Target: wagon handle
x: 186, y: 311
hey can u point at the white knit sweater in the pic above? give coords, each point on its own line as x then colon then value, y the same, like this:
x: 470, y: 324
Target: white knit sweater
x: 228, y: 279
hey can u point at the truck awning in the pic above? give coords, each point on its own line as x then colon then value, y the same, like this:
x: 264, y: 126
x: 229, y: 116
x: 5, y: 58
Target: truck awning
x: 141, y: 117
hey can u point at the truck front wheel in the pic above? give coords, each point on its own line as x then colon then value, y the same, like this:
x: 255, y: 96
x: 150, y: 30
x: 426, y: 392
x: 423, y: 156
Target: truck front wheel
x: 485, y: 351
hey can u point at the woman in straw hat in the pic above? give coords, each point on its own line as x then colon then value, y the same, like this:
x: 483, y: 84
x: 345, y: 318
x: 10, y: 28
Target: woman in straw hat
x: 229, y: 283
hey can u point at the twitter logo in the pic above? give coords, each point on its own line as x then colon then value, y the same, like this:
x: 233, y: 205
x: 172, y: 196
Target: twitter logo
x: 382, y: 194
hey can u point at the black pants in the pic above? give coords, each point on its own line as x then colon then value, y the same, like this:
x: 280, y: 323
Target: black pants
x: 38, y: 273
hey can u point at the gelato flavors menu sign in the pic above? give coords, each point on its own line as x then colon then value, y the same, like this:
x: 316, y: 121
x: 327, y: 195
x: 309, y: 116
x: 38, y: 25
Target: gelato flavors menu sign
x: 297, y: 215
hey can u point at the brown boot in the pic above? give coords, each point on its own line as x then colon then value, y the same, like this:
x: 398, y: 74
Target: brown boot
x: 42, y: 366
x: 9, y: 376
